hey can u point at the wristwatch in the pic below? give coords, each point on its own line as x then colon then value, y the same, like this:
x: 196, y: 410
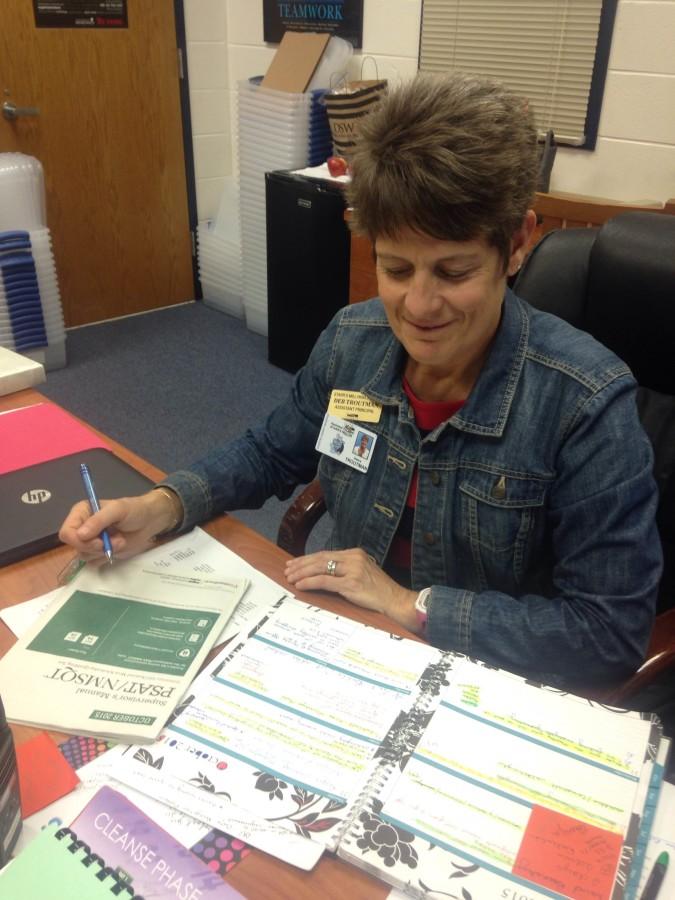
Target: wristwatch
x: 421, y: 606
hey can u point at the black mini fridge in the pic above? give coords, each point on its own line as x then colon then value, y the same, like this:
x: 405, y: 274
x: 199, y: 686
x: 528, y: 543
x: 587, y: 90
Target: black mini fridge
x: 307, y: 263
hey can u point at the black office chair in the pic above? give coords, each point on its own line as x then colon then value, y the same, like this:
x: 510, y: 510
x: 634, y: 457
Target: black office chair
x: 618, y: 283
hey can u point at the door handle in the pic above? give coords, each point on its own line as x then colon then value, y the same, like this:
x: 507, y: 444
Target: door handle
x: 11, y: 111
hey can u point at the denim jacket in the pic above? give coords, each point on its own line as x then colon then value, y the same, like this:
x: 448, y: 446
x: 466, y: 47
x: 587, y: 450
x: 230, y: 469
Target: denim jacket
x: 535, y: 516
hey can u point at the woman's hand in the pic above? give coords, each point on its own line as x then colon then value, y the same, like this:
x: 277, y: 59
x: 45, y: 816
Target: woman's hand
x: 358, y: 579
x: 132, y: 523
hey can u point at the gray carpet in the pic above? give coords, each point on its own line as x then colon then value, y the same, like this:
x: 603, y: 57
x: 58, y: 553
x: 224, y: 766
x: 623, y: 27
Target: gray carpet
x: 172, y: 384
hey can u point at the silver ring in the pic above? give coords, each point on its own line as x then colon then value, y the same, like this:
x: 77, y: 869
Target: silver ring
x: 331, y: 567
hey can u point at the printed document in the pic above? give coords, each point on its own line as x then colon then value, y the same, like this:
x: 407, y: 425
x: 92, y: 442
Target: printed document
x: 113, y: 654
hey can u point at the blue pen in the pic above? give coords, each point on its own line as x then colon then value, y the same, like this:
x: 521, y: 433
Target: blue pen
x: 95, y: 507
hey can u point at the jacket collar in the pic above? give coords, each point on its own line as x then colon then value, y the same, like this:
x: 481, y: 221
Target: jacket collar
x: 487, y: 408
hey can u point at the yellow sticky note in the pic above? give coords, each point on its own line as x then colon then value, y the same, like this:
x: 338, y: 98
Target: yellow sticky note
x: 353, y: 405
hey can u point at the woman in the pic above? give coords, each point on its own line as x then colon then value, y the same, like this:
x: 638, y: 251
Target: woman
x: 506, y: 509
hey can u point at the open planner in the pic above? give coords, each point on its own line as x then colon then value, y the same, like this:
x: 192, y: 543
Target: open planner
x: 436, y: 773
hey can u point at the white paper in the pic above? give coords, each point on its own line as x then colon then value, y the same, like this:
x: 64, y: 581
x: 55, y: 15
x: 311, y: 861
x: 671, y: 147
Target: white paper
x: 201, y: 553
x: 20, y: 617
x: 322, y: 172
x: 185, y: 829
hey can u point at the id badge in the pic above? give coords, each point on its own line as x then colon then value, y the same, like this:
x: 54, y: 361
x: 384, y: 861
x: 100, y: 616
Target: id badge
x: 350, y: 443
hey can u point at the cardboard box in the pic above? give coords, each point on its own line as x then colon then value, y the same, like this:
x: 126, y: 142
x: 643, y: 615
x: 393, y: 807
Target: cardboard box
x: 295, y: 61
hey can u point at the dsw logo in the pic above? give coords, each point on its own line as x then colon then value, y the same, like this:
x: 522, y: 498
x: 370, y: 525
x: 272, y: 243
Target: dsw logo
x: 38, y: 496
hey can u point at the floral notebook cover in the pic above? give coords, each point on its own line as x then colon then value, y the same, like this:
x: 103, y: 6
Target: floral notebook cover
x: 435, y: 772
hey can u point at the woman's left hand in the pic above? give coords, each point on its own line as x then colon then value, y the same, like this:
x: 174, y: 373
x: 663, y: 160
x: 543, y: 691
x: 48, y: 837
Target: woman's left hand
x: 354, y: 575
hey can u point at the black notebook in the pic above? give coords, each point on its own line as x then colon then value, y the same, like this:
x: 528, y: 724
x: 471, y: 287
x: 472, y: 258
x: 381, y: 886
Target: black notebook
x: 35, y: 500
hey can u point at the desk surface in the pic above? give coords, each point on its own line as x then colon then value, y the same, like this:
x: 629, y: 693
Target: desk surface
x: 259, y: 875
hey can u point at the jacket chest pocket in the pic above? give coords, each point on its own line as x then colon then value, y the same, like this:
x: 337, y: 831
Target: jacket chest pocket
x: 499, y: 515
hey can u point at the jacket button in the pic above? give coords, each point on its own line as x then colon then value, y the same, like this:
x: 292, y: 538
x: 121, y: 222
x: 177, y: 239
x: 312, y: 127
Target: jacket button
x: 429, y: 538
x: 499, y: 489
x: 435, y: 479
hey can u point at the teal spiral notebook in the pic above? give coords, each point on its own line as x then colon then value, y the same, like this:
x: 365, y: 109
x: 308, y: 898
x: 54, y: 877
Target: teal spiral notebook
x: 56, y: 866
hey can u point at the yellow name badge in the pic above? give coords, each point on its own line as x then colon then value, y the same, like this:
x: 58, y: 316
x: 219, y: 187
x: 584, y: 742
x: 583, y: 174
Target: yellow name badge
x: 353, y: 405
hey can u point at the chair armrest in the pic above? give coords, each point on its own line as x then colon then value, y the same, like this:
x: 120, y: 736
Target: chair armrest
x: 660, y: 658
x: 299, y: 519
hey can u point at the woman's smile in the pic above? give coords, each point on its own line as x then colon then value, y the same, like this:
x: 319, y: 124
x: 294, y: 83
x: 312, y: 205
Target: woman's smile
x: 426, y: 326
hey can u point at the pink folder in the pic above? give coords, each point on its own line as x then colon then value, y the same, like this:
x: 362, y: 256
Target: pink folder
x: 36, y: 434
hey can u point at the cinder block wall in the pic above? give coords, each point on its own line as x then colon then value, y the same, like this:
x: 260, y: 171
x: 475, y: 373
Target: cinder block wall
x: 634, y: 159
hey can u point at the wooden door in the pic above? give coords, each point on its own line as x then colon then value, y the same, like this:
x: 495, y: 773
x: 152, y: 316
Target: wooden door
x: 109, y: 136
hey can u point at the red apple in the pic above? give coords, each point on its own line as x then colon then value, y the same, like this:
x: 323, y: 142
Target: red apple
x: 337, y: 165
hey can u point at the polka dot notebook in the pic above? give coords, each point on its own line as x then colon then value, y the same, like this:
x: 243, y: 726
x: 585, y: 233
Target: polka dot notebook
x: 79, y: 750
x: 220, y: 851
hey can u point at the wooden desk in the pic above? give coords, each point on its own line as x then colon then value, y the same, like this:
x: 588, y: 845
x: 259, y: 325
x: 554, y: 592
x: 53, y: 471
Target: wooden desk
x: 259, y: 876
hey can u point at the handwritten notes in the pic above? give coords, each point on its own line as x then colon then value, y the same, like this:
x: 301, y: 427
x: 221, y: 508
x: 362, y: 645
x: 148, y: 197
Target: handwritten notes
x: 568, y: 856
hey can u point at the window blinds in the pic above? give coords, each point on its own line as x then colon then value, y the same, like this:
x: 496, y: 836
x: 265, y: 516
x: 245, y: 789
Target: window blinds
x: 542, y: 49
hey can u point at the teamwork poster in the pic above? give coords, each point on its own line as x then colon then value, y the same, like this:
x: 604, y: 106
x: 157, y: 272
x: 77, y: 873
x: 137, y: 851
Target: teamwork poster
x: 343, y: 18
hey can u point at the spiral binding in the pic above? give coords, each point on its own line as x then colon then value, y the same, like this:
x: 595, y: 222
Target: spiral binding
x: 364, y: 801
x: 402, y: 738
x: 90, y: 858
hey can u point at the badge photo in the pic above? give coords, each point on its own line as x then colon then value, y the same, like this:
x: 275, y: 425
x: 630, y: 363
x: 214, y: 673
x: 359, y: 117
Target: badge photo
x: 362, y: 445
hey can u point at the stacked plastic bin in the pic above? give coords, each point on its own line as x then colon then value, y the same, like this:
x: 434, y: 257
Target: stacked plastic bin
x: 31, y: 317
x: 276, y: 131
x: 219, y: 255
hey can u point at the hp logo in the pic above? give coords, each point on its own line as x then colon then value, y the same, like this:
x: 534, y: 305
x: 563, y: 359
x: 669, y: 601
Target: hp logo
x: 37, y: 496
